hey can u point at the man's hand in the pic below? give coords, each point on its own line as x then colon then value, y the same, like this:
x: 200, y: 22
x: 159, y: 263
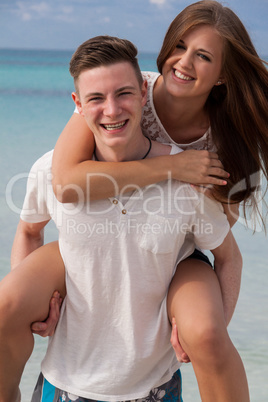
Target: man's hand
x: 47, y: 328
x: 180, y: 354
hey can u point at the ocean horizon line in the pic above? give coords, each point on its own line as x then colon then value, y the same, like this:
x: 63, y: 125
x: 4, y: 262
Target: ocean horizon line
x: 11, y: 49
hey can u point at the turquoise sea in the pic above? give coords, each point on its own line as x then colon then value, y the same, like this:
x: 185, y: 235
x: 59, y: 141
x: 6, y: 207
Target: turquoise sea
x: 35, y: 104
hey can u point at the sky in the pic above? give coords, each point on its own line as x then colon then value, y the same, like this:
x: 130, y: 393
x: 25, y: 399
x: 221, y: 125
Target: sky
x: 65, y: 24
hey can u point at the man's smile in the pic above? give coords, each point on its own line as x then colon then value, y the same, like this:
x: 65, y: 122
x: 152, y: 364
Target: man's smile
x: 114, y: 126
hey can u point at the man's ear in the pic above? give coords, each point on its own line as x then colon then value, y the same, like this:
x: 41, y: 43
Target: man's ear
x: 144, y: 89
x: 78, y: 103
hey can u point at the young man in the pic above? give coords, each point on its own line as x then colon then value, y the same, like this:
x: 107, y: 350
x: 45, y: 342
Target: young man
x: 120, y: 254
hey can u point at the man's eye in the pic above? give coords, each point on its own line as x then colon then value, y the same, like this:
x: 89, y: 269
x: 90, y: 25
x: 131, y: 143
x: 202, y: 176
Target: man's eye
x: 95, y: 99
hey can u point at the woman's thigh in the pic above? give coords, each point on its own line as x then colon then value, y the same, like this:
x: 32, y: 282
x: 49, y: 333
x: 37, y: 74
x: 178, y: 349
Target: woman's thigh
x: 26, y: 291
x: 194, y: 297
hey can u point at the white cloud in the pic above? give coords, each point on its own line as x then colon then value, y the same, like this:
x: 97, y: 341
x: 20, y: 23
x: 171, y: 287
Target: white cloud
x: 26, y: 16
x: 65, y: 14
x: 28, y: 10
x: 106, y: 19
x: 41, y: 8
x: 32, y: 10
x: 158, y: 2
x: 67, y: 9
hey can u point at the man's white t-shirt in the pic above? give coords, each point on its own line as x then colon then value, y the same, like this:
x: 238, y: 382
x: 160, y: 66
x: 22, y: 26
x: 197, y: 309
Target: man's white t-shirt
x: 112, y: 341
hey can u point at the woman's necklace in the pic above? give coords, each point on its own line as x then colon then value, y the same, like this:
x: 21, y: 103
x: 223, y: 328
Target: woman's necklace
x: 147, y: 153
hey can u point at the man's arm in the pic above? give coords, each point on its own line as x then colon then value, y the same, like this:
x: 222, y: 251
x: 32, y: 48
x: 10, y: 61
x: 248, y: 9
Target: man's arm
x: 28, y: 237
x: 232, y: 213
x: 228, y: 267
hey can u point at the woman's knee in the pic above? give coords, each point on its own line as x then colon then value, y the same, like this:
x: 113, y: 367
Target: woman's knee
x: 10, y: 307
x: 205, y: 340
x: 21, y: 301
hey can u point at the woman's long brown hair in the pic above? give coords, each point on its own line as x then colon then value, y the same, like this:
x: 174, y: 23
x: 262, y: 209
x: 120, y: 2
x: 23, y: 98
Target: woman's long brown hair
x: 238, y: 109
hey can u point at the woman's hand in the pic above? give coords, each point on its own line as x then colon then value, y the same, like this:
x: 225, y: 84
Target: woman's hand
x: 174, y: 339
x: 47, y: 328
x: 198, y: 167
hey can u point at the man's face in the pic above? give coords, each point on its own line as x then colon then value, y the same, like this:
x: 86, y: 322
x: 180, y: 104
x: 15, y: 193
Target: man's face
x: 111, y: 100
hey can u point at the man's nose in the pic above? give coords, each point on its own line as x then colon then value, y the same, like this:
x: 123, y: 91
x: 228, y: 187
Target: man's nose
x: 112, y: 108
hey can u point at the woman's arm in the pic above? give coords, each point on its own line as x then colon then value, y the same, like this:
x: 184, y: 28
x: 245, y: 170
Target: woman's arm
x: 75, y: 175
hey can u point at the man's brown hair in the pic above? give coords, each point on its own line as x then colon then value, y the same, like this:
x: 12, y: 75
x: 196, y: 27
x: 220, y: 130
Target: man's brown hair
x: 103, y: 51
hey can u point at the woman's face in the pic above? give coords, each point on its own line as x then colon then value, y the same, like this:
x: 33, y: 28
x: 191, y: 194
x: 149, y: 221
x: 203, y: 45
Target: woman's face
x: 194, y: 67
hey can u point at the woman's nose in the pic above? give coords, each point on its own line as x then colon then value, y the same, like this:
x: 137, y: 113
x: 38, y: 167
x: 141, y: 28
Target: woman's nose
x: 185, y: 60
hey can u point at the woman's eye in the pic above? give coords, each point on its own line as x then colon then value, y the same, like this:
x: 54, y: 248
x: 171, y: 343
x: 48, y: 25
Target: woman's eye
x: 179, y: 46
x: 202, y: 56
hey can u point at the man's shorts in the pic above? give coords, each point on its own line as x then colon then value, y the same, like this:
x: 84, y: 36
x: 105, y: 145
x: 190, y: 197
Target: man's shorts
x: 198, y: 255
x: 46, y: 392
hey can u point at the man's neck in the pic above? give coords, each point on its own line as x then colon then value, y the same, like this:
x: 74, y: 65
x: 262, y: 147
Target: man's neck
x: 137, y: 149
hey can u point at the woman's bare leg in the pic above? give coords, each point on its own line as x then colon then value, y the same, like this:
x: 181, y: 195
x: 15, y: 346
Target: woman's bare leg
x: 195, y: 301
x: 25, y: 294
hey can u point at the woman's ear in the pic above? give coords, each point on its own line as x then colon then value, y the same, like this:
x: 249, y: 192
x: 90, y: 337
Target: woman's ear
x: 220, y: 81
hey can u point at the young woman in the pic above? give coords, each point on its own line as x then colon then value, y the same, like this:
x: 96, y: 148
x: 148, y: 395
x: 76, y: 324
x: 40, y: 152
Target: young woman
x: 211, y: 95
